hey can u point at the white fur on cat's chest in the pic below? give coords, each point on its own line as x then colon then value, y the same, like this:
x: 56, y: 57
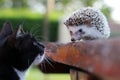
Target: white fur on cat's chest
x: 21, y: 74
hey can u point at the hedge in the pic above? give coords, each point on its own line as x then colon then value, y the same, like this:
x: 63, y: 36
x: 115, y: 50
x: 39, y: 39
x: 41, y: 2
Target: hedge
x: 35, y: 25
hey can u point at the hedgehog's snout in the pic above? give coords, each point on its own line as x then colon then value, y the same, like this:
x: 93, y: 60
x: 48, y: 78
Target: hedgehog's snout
x: 72, y: 39
x: 76, y: 38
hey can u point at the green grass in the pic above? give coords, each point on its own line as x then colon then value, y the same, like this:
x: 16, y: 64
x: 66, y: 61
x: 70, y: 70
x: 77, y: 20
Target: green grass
x: 27, y: 13
x: 30, y: 20
x: 115, y: 34
x: 55, y: 15
x: 19, y: 13
x: 35, y: 74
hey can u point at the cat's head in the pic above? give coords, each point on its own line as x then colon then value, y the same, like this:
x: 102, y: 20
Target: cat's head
x: 20, y: 48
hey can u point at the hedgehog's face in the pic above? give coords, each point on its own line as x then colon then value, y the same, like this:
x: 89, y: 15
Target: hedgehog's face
x: 76, y: 32
x: 83, y: 32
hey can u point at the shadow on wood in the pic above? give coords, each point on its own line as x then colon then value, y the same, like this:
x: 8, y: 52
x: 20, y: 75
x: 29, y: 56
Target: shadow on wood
x: 53, y: 67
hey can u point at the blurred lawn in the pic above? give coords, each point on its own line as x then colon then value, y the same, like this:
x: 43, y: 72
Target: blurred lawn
x: 35, y: 74
x: 27, y: 13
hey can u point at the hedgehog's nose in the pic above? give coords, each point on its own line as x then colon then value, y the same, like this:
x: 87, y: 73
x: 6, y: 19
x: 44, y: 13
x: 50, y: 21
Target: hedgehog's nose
x: 73, y: 40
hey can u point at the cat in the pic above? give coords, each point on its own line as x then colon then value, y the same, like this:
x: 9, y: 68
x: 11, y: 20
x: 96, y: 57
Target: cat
x: 18, y: 51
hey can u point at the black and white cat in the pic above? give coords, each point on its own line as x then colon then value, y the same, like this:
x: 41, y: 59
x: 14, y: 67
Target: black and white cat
x: 18, y: 51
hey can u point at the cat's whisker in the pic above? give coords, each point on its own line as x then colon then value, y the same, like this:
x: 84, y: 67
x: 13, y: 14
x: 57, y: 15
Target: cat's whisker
x: 47, y: 59
x: 38, y: 37
x: 50, y: 59
x: 44, y: 67
x: 41, y: 64
x: 34, y: 30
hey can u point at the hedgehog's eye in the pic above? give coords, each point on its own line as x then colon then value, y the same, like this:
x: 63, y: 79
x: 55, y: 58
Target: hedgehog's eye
x: 80, y: 30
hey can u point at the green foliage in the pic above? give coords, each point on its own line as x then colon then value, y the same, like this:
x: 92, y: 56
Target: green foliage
x: 30, y: 21
x: 35, y: 74
x: 64, y: 2
x: 106, y: 10
x: 19, y: 13
x: 88, y: 2
x: 53, y: 31
x: 115, y: 34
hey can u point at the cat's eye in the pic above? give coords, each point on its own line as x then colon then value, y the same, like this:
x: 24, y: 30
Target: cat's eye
x: 35, y: 44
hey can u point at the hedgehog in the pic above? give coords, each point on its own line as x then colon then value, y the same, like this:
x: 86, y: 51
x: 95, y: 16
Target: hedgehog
x: 87, y: 24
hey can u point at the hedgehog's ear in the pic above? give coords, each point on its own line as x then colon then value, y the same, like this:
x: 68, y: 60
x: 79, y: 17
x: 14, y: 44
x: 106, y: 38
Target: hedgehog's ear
x: 66, y: 24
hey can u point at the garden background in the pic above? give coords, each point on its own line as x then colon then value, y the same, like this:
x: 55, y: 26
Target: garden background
x: 44, y: 19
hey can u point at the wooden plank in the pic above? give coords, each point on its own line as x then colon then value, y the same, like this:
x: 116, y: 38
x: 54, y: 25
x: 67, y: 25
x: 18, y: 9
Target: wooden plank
x: 99, y: 57
x: 78, y: 75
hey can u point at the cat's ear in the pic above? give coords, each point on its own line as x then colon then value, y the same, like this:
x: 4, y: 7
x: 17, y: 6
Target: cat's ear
x: 18, y: 32
x: 5, y: 32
